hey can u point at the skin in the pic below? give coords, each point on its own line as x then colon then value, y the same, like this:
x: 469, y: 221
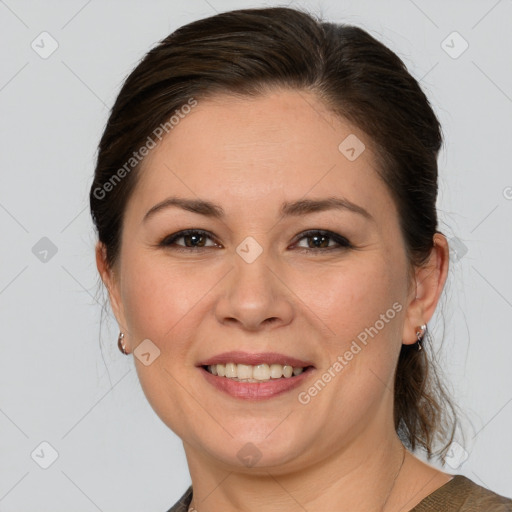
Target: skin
x: 249, y: 155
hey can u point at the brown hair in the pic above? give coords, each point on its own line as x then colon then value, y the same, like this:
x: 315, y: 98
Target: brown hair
x: 247, y: 52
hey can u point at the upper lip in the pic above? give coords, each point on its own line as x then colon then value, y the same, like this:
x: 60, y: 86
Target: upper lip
x: 239, y: 357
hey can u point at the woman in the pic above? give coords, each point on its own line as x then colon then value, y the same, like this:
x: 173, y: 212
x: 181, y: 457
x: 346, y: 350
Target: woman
x: 265, y: 201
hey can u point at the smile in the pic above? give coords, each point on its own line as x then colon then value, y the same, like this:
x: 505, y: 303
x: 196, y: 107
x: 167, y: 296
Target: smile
x: 255, y: 376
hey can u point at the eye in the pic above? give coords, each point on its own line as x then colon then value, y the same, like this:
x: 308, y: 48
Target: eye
x: 320, y: 240
x: 194, y: 239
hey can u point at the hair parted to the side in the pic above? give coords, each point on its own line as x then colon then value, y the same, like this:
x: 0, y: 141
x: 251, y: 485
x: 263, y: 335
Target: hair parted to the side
x: 251, y: 51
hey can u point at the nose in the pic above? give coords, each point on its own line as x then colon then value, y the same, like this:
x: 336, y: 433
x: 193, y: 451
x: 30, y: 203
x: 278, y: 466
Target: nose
x: 255, y: 296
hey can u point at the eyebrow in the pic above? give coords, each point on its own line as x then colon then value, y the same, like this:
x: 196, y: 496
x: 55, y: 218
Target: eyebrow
x: 295, y: 208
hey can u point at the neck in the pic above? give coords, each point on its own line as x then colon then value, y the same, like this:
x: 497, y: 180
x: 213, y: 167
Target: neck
x: 361, y: 476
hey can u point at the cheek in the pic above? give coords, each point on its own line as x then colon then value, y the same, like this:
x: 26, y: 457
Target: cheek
x: 362, y: 305
x: 158, y: 296
x: 352, y: 296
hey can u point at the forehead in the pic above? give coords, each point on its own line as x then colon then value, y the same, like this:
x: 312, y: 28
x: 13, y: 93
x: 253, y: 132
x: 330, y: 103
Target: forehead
x: 241, y: 151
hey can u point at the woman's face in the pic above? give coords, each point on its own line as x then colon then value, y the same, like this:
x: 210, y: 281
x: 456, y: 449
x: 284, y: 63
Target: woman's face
x: 253, y: 284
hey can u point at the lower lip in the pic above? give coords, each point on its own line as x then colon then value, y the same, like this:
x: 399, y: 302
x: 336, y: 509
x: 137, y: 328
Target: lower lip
x: 256, y: 390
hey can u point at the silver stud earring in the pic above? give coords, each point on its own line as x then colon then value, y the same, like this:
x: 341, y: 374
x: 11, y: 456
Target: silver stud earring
x: 419, y: 335
x: 120, y: 343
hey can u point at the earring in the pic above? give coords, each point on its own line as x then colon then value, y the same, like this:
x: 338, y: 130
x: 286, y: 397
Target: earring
x: 120, y: 343
x: 419, y: 335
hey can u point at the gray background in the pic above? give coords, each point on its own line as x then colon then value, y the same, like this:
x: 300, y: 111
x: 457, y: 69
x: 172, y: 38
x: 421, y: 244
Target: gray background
x: 65, y: 383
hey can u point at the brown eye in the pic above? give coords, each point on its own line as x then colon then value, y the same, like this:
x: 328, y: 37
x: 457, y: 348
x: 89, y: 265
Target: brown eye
x: 320, y: 239
x: 193, y: 239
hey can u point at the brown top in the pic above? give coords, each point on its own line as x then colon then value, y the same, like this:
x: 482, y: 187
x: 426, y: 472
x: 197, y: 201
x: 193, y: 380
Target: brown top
x: 460, y: 494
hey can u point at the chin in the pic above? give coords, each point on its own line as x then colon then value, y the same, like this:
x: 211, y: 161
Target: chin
x: 254, y: 453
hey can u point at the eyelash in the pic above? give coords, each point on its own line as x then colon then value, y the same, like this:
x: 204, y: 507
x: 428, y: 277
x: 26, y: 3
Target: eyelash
x: 342, y: 242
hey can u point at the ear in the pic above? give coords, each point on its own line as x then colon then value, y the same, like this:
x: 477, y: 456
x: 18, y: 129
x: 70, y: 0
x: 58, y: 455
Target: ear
x: 428, y: 286
x: 111, y: 282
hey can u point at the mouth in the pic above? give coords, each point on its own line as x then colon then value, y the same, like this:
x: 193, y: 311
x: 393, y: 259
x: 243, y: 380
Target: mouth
x: 255, y: 376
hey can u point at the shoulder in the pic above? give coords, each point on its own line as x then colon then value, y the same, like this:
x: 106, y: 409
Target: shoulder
x: 461, y: 494
x: 183, y: 503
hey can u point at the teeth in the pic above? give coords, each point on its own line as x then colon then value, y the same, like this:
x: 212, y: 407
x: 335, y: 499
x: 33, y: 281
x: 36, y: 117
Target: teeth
x: 258, y: 373
x: 231, y: 370
x: 287, y: 371
x: 243, y: 371
x: 276, y: 371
